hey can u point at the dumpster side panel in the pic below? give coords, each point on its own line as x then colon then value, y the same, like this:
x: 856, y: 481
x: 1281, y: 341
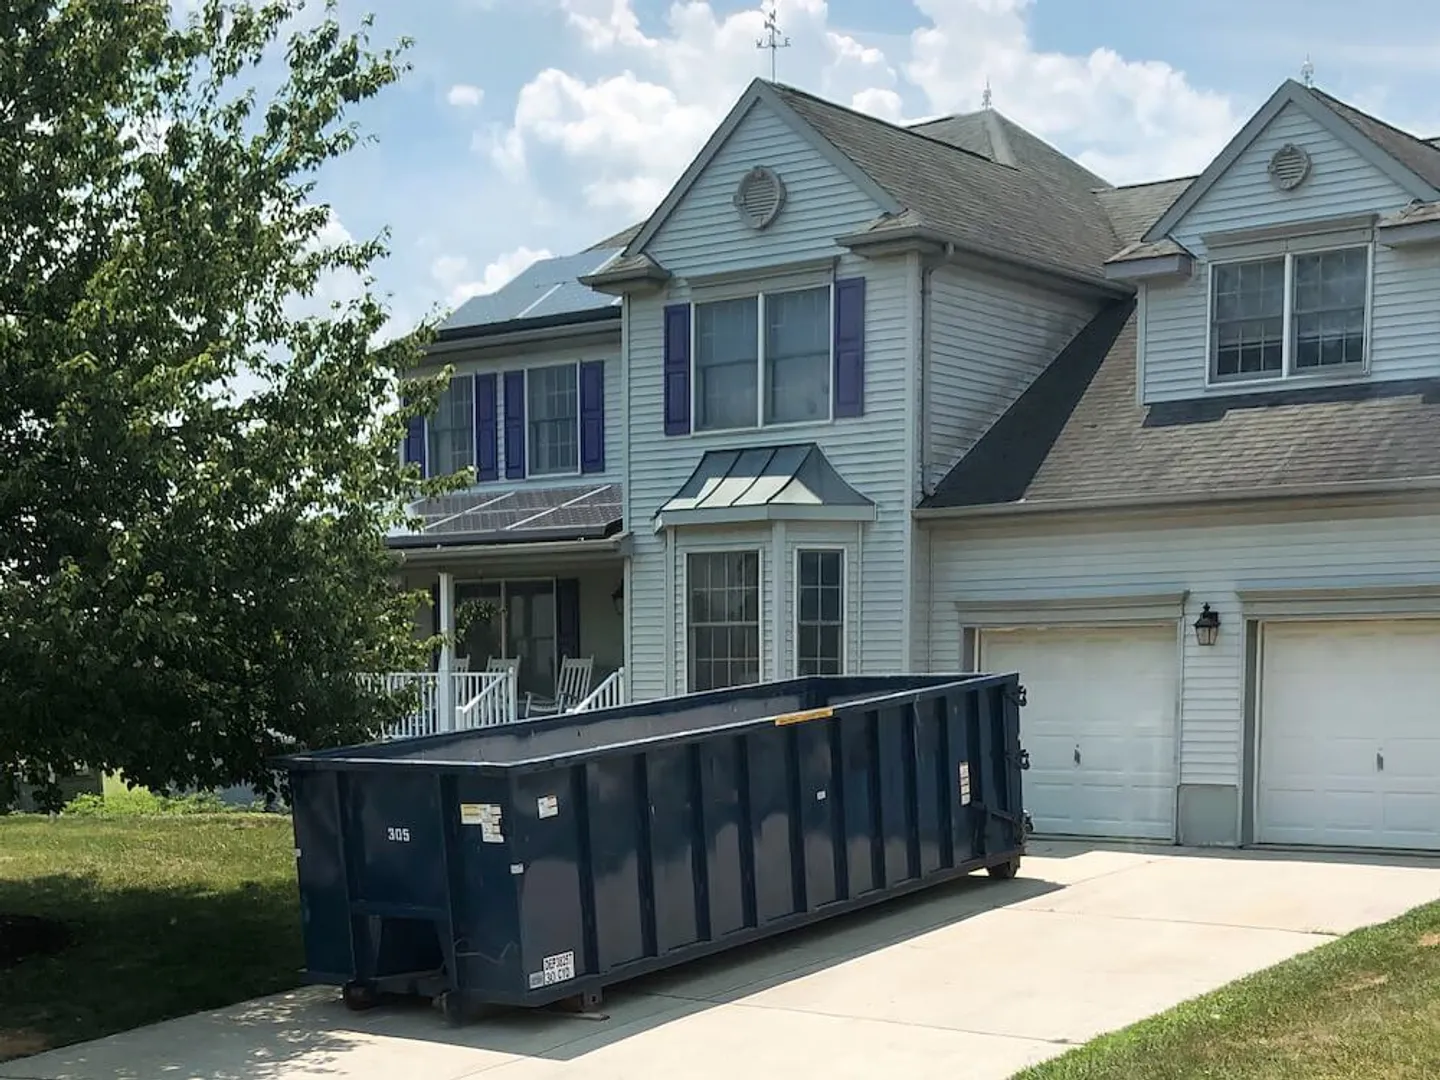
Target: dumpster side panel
x: 484, y: 891
x: 395, y: 837
x: 547, y: 823
x: 320, y: 871
x: 725, y: 826
x: 674, y: 823
x: 777, y: 832
x: 616, y: 803
x: 815, y: 754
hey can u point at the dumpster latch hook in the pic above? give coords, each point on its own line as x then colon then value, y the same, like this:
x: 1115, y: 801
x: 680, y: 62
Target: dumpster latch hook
x: 1020, y: 697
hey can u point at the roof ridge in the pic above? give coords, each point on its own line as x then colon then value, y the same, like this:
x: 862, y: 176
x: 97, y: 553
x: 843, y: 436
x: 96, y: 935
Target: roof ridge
x: 785, y: 88
x: 1150, y: 183
x: 1332, y: 100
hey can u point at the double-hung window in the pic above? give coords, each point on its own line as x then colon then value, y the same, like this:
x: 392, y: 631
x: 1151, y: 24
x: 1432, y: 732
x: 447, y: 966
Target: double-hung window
x: 553, y: 412
x: 1293, y: 314
x: 451, y: 430
x: 820, y: 612
x: 722, y: 619
x: 763, y: 359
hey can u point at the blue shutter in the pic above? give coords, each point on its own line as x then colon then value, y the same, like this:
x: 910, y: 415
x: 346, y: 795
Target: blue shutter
x: 515, y: 425
x: 592, y: 416
x: 677, y: 369
x: 412, y: 450
x: 487, y: 431
x: 850, y: 347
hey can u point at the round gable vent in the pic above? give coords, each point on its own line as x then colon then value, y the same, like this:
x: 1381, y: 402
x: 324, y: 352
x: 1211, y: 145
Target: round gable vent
x: 1289, y: 167
x: 759, y: 197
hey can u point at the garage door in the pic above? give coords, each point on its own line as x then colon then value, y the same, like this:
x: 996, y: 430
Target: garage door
x: 1350, y: 734
x: 1099, y: 725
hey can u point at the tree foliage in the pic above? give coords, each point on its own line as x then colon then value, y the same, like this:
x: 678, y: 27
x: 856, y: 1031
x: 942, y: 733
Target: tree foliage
x: 190, y: 576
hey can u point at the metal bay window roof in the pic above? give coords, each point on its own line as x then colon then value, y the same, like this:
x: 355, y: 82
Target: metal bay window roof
x: 764, y: 483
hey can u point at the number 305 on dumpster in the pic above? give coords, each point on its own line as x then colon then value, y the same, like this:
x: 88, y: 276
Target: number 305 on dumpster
x: 397, y: 834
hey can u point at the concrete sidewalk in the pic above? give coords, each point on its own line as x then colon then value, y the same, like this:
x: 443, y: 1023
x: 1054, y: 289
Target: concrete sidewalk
x: 977, y: 979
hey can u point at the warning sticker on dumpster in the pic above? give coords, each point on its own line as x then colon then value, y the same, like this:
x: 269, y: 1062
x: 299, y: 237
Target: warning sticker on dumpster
x: 964, y: 783
x: 487, y: 816
x: 548, y: 805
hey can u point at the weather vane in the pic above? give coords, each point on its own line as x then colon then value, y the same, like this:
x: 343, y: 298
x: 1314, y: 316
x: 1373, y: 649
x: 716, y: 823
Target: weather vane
x: 1307, y: 72
x: 773, y: 40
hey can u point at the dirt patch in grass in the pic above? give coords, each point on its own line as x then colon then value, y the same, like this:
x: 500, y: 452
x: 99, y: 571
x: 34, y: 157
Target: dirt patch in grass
x: 30, y: 935
x: 1429, y: 941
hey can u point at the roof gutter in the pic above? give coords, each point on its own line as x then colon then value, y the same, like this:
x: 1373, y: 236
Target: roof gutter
x: 527, y: 331
x: 926, y: 235
x: 610, y: 545
x: 1158, y: 502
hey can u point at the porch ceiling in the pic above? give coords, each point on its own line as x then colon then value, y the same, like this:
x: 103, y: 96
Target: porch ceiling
x: 518, y: 516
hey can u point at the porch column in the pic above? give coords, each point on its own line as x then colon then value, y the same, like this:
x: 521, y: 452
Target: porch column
x: 445, y: 692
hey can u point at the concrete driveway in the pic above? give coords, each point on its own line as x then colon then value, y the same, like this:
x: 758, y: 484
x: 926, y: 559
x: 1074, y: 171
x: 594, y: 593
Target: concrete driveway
x: 975, y: 979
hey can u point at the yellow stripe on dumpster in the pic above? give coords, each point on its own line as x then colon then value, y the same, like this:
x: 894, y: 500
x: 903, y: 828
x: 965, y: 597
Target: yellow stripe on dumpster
x: 802, y: 717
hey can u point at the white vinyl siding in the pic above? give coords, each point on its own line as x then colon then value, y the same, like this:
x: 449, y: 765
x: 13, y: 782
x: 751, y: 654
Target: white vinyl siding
x: 1403, y: 319
x: 704, y: 233
x: 1211, y: 555
x: 989, y: 339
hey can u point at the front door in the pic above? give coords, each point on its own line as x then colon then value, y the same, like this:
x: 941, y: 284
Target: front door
x: 530, y: 633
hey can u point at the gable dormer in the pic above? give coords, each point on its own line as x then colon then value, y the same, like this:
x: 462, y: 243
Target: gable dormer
x: 1300, y: 257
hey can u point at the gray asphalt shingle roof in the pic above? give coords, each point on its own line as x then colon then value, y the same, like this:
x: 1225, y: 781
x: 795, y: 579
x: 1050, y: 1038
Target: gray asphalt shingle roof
x: 1078, y: 433
x: 991, y: 206
x: 1420, y: 156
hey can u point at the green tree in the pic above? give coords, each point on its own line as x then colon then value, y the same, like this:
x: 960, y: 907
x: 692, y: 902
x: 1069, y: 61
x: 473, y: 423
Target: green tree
x: 190, y: 577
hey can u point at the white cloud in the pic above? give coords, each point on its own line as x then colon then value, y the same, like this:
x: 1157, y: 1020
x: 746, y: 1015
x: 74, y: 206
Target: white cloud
x: 455, y: 273
x: 465, y: 96
x: 632, y: 128
x: 1128, y: 119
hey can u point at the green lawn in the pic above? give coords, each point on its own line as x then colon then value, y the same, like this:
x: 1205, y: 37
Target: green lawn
x: 170, y: 914
x: 1366, y: 1007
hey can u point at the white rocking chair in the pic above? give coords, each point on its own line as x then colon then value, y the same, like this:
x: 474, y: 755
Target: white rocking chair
x: 571, y: 687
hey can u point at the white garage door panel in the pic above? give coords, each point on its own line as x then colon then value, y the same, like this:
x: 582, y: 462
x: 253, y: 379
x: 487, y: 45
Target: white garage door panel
x: 1350, y: 734
x: 1108, y: 693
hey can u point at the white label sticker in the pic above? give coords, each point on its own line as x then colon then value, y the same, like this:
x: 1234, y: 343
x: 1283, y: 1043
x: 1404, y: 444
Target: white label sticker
x: 558, y: 968
x: 517, y: 868
x: 537, y: 980
x: 964, y: 783
x: 548, y: 805
x: 820, y: 795
x: 487, y: 816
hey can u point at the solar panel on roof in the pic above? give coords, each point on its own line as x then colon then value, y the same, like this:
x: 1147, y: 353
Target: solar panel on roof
x: 546, y: 288
x: 587, y: 511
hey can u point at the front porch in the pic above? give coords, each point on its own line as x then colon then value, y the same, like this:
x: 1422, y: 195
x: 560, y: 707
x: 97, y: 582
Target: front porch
x: 516, y: 613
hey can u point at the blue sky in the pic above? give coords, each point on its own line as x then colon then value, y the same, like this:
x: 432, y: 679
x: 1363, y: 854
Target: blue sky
x: 540, y: 126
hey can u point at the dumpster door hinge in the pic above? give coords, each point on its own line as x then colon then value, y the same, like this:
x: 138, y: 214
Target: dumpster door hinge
x: 1019, y: 696
x: 1022, y: 755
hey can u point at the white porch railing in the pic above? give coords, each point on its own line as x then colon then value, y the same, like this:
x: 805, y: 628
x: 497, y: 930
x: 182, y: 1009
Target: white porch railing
x: 609, y: 694
x: 480, y: 699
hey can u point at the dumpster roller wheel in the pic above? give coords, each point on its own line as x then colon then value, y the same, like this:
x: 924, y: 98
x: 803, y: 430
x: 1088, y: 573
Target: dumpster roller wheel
x: 359, y: 996
x: 451, y: 1004
x: 1004, y: 871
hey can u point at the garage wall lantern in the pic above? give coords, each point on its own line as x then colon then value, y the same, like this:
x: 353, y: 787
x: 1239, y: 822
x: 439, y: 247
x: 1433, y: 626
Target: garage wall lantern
x: 1207, y: 626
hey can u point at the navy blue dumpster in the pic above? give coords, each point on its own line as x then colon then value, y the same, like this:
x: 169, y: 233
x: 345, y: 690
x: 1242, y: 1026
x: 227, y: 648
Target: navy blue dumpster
x: 545, y: 860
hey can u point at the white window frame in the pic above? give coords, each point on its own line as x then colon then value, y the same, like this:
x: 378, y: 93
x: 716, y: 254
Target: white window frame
x: 844, y: 604
x: 530, y: 471
x: 746, y: 549
x: 1288, y: 372
x: 759, y: 295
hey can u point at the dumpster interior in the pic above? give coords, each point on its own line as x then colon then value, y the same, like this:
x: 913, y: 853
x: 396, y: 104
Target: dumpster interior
x: 562, y: 736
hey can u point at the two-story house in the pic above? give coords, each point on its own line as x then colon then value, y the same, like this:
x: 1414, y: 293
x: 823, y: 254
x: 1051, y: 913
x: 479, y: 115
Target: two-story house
x: 938, y: 398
